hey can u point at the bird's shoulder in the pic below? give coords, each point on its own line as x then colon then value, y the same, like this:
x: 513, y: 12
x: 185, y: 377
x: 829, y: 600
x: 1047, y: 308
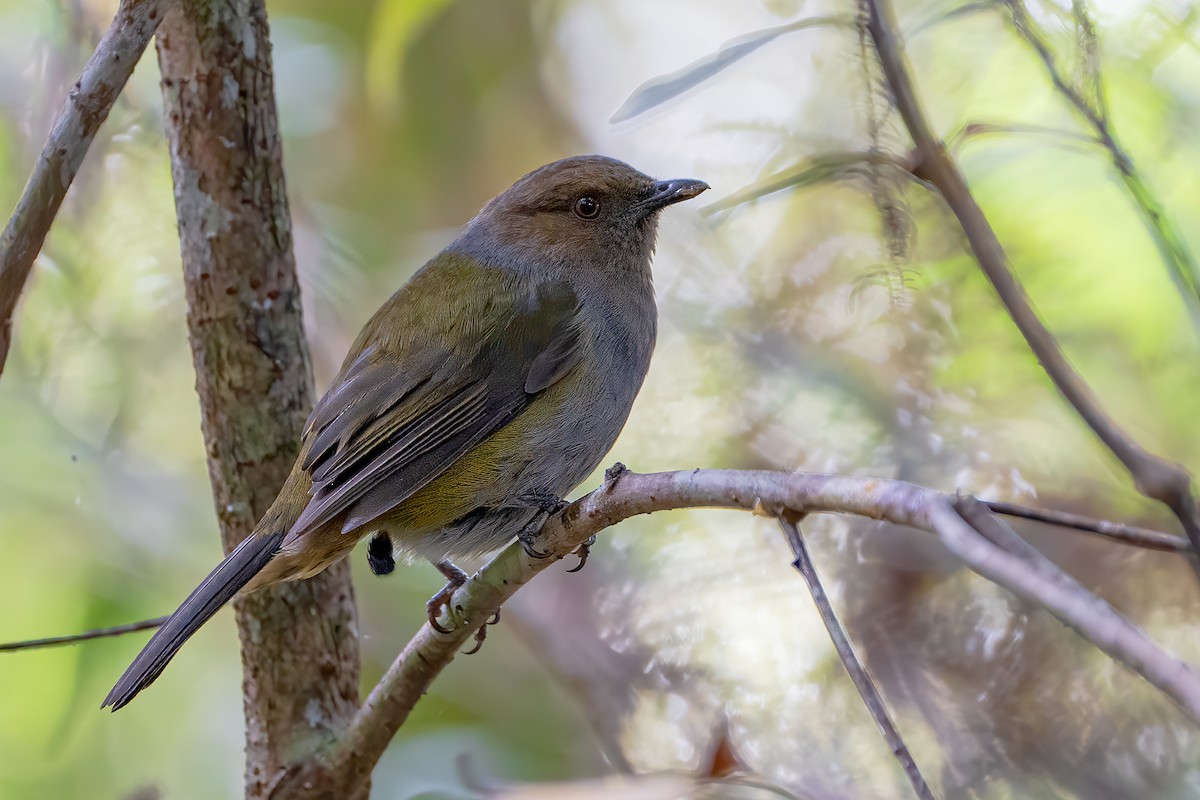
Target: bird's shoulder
x: 456, y: 304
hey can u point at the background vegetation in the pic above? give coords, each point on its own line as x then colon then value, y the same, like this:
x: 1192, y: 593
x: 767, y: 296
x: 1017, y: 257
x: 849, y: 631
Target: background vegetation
x: 798, y: 332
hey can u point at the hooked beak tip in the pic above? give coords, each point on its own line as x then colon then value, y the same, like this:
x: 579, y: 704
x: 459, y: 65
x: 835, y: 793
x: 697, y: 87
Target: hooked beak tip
x: 676, y: 190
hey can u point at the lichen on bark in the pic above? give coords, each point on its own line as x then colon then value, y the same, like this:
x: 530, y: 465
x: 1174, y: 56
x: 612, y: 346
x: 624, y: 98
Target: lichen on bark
x: 299, y: 641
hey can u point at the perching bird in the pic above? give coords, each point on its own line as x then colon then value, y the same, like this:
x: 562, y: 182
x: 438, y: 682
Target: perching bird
x: 485, y: 389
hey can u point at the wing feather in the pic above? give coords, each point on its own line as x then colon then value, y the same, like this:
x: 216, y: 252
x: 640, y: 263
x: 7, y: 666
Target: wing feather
x: 397, y: 420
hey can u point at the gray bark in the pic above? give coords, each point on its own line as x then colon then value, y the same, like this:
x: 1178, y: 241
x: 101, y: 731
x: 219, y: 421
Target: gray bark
x: 300, y: 641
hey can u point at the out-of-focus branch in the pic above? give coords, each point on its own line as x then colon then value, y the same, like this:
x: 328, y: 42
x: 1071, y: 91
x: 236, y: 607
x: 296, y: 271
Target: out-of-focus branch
x: 867, y: 689
x: 348, y: 762
x: 1154, y: 476
x: 818, y: 169
x: 87, y: 106
x: 98, y: 633
x: 957, y: 12
x: 1180, y: 263
x: 973, y: 130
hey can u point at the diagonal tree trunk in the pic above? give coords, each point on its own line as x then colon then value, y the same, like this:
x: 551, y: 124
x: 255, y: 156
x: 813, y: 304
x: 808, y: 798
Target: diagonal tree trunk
x: 299, y: 642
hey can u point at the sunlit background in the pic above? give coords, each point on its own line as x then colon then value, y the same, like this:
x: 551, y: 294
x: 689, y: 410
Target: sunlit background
x: 799, y: 331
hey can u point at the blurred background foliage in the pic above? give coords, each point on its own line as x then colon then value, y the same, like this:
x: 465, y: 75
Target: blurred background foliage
x: 839, y: 327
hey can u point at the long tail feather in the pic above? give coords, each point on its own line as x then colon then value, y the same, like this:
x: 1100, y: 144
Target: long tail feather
x: 238, y: 568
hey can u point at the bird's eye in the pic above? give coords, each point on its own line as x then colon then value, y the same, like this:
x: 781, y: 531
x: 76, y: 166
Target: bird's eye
x: 587, y: 208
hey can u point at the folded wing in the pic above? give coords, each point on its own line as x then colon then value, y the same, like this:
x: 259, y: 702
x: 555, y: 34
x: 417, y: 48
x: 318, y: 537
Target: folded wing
x: 400, y: 416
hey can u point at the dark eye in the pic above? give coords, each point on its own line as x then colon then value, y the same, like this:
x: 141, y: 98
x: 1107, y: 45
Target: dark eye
x: 587, y: 208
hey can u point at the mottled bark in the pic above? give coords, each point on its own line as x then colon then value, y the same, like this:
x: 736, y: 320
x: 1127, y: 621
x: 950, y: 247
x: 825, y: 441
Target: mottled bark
x: 299, y: 641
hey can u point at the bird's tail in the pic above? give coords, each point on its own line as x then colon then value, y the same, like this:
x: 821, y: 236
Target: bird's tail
x: 238, y: 568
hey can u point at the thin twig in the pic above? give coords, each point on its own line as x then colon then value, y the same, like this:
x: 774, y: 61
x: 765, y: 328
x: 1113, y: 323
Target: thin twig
x: 973, y: 130
x: 824, y: 167
x: 958, y: 12
x: 349, y: 761
x: 1115, y: 531
x: 1180, y: 263
x: 86, y: 636
x: 867, y: 689
x: 87, y: 106
x: 1155, y: 477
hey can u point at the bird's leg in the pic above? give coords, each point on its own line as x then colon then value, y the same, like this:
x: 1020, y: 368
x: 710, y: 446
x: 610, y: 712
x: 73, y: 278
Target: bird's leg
x: 455, y: 578
x: 379, y: 553
x: 548, y: 504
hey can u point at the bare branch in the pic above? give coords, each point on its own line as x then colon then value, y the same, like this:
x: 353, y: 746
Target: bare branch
x: 1121, y: 533
x: 1118, y: 532
x: 87, y: 636
x: 348, y: 762
x: 867, y: 689
x: 1155, y: 477
x: 71, y: 135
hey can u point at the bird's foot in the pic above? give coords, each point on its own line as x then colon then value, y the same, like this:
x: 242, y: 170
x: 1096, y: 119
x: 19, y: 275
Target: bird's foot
x: 583, y: 551
x: 527, y: 537
x: 481, y: 634
x: 548, y: 504
x: 379, y: 554
x: 455, y: 578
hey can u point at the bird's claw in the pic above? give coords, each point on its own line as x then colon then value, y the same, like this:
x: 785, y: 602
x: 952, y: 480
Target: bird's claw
x: 527, y: 538
x: 455, y: 578
x: 436, y: 604
x: 481, y: 634
x: 546, y: 502
x: 583, y: 551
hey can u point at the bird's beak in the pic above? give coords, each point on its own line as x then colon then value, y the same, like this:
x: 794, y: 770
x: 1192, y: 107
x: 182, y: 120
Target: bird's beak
x: 676, y: 190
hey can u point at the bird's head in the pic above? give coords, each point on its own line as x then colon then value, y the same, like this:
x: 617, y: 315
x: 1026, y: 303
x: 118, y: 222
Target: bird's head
x: 580, y: 214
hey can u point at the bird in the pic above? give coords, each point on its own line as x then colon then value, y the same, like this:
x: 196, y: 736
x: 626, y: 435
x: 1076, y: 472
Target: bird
x: 485, y: 389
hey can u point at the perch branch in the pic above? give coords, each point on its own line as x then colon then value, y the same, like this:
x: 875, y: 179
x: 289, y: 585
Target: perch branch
x: 86, y: 107
x: 349, y: 761
x: 1155, y: 477
x: 867, y: 689
x: 1118, y: 532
